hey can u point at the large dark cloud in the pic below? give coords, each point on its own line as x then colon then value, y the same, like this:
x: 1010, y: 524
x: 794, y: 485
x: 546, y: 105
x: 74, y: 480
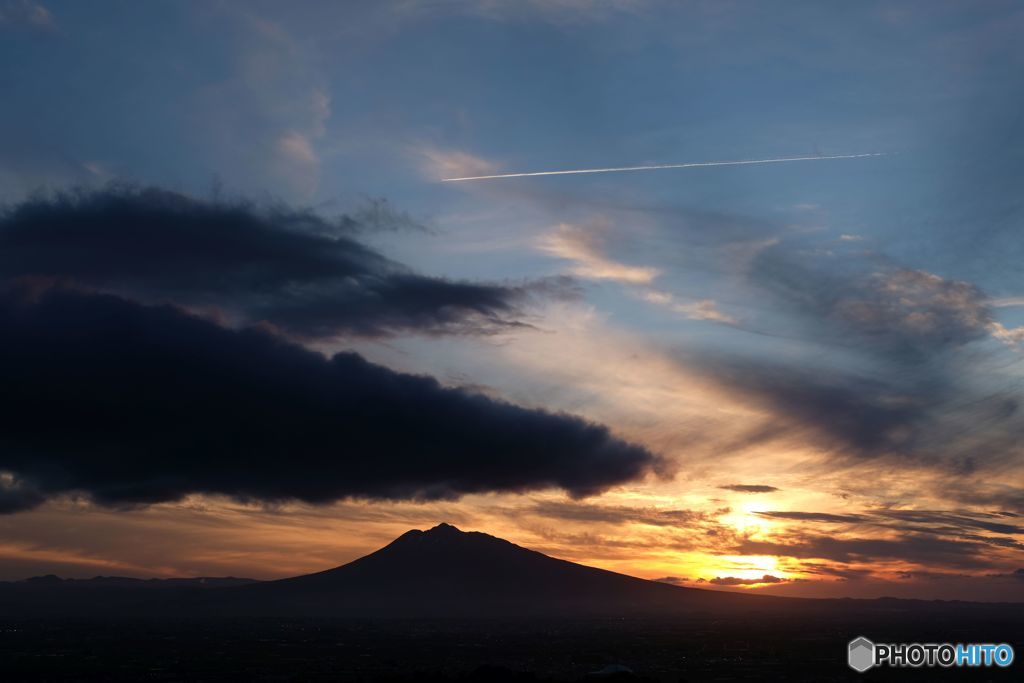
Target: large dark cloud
x: 17, y: 495
x: 303, y: 274
x: 132, y: 404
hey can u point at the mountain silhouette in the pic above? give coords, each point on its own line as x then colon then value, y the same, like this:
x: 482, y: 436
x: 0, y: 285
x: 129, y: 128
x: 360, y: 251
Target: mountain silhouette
x: 442, y: 572
x: 448, y: 572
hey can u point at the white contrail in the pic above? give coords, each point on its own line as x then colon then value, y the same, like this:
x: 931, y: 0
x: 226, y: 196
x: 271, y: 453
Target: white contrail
x: 661, y: 166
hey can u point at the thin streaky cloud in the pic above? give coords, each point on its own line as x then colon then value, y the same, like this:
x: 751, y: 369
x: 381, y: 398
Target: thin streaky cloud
x: 698, y: 164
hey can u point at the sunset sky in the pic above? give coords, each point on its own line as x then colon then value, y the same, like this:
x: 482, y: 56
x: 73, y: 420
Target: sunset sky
x: 802, y: 378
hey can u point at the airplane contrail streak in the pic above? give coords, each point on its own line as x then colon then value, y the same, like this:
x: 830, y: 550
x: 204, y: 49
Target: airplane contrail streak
x: 661, y: 166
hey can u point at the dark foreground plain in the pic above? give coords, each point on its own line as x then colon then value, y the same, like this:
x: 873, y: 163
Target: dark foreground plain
x: 678, y: 649
x: 445, y: 605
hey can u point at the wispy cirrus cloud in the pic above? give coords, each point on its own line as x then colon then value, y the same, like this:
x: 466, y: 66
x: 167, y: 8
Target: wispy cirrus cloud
x: 583, y: 246
x: 705, y: 309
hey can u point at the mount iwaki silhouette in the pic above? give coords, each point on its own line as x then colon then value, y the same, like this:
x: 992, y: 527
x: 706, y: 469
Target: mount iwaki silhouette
x: 441, y: 572
x: 448, y: 572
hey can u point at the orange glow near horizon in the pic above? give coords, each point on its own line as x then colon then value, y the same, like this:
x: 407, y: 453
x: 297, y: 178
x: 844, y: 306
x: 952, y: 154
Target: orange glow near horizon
x: 690, y: 538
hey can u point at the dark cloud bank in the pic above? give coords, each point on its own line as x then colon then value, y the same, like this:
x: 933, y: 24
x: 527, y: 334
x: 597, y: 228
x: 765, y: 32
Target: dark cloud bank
x: 109, y: 395
x: 295, y: 270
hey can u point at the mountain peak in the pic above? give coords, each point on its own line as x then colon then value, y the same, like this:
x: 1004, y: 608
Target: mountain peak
x: 442, y: 535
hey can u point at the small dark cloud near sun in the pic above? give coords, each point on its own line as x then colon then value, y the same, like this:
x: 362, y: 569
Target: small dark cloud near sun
x: 813, y: 517
x: 834, y: 570
x: 749, y: 488
x: 737, y: 581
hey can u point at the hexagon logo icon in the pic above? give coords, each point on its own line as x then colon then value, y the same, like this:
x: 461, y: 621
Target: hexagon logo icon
x: 861, y: 654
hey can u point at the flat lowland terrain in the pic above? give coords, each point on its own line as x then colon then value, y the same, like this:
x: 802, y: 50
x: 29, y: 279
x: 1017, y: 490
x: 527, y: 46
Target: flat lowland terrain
x: 732, y: 648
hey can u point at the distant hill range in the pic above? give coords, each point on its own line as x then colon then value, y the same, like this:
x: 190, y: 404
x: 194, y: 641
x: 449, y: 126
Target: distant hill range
x: 442, y: 572
x: 52, y: 581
